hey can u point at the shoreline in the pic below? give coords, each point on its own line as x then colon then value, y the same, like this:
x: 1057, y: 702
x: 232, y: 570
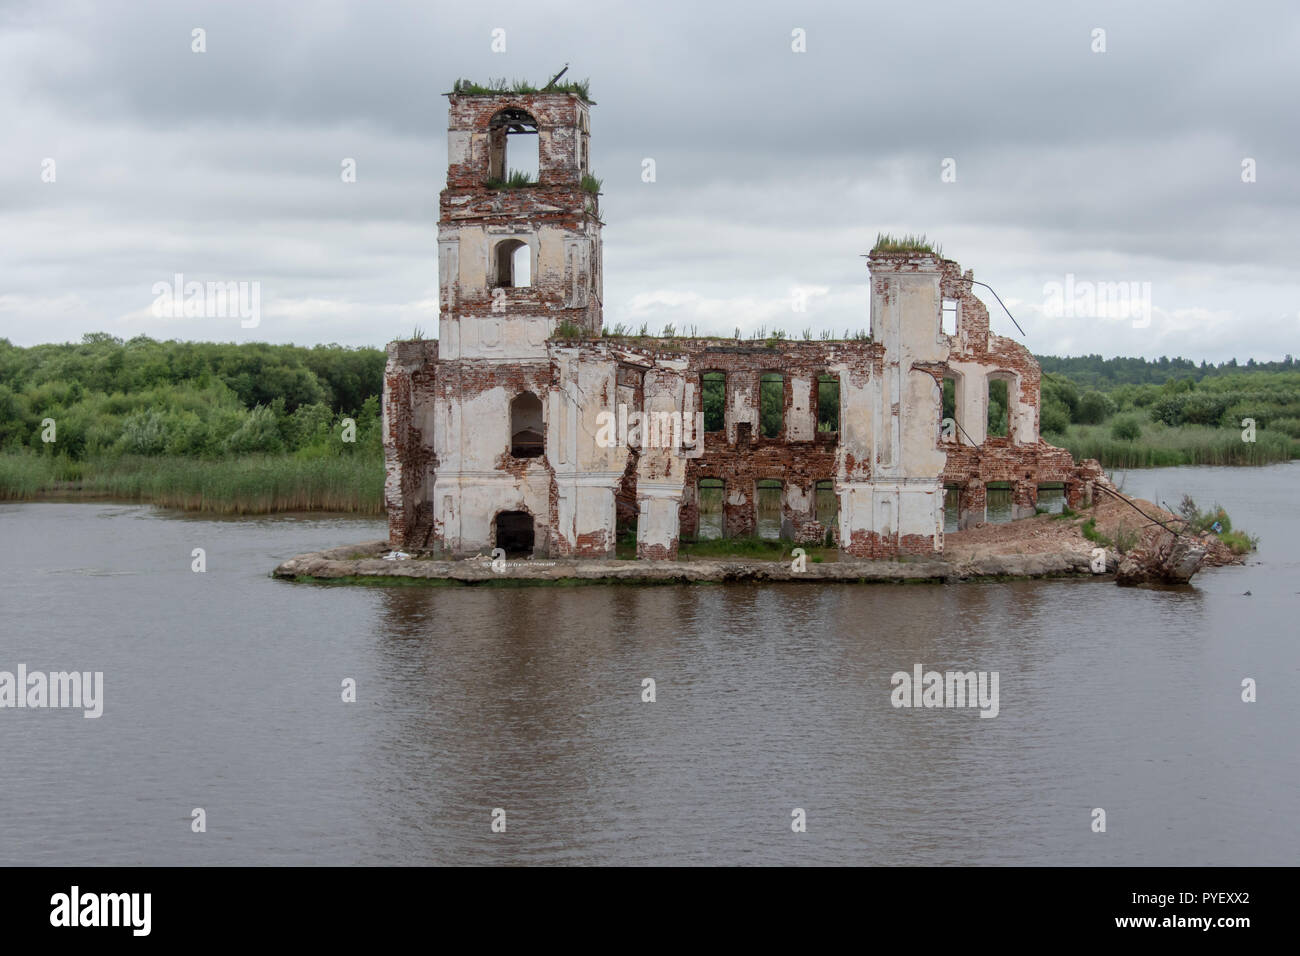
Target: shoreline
x: 1043, y: 546
x: 362, y: 564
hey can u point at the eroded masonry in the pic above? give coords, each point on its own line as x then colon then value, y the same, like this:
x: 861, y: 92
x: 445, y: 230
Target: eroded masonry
x: 523, y: 427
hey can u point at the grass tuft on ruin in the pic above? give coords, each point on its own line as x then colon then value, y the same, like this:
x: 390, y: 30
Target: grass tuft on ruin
x: 888, y: 242
x: 503, y: 87
x: 516, y: 179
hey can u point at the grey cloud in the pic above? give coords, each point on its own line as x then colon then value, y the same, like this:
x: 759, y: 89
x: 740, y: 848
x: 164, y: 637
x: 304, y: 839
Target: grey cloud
x: 774, y: 169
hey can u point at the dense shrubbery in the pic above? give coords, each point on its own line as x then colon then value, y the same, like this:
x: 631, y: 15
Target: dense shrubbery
x: 1125, y: 428
x: 217, y: 427
x: 204, y: 400
x: 1183, y: 421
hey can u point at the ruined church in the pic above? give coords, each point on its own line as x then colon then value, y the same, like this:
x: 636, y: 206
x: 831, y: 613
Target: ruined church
x: 498, y: 434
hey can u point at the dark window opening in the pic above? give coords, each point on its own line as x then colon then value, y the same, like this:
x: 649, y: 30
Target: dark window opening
x: 771, y: 404
x: 714, y: 387
x: 515, y: 533
x: 527, y: 431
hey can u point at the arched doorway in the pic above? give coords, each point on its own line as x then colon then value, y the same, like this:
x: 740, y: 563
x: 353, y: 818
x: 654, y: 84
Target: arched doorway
x: 515, y: 533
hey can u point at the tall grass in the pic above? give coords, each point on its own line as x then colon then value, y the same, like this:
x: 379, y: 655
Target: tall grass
x: 1160, y: 446
x: 249, y: 484
x: 888, y: 242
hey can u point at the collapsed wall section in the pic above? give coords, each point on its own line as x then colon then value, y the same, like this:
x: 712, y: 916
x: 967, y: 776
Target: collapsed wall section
x: 408, y: 429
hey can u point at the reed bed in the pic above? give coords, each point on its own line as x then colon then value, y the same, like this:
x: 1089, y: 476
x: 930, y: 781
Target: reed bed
x: 252, y: 484
x: 1162, y: 447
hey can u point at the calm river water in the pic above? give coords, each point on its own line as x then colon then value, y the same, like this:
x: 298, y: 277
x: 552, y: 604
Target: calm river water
x: 222, y: 691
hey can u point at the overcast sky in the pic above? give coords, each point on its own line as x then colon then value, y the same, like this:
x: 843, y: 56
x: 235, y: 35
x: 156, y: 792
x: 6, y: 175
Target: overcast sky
x: 775, y: 169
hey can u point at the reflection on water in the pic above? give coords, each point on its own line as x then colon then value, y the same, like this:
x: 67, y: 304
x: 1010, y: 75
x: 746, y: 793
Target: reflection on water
x: 222, y: 690
x: 1051, y: 499
x: 997, y: 497
x: 710, y: 509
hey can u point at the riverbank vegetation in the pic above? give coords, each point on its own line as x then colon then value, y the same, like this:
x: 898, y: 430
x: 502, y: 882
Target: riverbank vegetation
x: 1215, y: 415
x: 205, y: 426
x: 253, y: 427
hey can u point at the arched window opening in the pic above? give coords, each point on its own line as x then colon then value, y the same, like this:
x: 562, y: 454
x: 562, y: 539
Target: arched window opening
x: 999, y: 405
x: 514, y: 265
x: 527, y: 431
x: 513, y: 149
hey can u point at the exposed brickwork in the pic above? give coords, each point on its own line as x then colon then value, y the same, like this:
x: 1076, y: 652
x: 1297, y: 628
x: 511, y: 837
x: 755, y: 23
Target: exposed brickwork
x: 657, y: 552
x: 888, y: 461
x: 409, y: 382
x: 557, y: 202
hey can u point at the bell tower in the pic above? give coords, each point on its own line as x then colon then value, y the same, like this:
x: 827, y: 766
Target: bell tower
x: 517, y: 255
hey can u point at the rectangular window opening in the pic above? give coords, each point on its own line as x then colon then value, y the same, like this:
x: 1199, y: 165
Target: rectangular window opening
x: 771, y: 401
x: 828, y: 403
x: 714, y: 388
x: 949, y: 323
x: 768, y: 508
x: 827, y: 504
x: 1051, y: 497
x: 710, y: 526
x: 997, y: 502
x: 951, y: 508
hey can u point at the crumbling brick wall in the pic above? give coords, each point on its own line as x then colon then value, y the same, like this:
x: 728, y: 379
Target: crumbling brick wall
x: 447, y: 405
x: 409, y: 461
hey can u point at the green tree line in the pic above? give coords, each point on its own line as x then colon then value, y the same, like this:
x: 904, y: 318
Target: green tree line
x: 111, y: 397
